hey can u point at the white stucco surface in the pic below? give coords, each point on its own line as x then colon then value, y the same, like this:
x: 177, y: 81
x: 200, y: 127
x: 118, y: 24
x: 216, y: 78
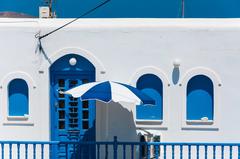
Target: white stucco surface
x: 125, y: 48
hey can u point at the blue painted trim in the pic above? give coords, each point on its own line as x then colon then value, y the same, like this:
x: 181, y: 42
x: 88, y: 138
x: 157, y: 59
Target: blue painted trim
x: 83, y: 70
x: 151, y: 85
x: 18, y: 98
x: 200, y: 98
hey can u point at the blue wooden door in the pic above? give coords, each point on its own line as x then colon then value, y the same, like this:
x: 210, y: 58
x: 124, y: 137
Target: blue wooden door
x: 72, y: 119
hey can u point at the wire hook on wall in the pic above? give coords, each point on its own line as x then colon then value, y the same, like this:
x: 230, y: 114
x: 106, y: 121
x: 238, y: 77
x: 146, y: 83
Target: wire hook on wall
x: 38, y: 35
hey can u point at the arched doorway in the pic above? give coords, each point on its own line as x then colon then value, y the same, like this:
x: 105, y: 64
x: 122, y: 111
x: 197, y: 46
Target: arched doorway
x: 71, y: 119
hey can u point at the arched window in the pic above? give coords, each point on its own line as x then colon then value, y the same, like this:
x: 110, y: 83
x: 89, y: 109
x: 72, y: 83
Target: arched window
x: 151, y: 85
x: 18, y: 99
x: 200, y: 98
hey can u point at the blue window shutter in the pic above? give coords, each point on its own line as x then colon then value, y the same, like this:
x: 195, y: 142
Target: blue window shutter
x: 18, y: 98
x: 200, y: 98
x: 152, y: 86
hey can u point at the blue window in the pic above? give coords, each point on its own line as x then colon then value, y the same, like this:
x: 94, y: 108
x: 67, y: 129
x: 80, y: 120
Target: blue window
x: 200, y: 99
x: 18, y: 98
x: 152, y: 86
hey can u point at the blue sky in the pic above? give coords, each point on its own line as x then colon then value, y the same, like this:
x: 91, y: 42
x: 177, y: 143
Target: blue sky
x: 130, y: 8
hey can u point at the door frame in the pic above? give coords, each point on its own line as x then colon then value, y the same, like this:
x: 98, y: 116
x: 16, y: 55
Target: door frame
x: 53, y: 75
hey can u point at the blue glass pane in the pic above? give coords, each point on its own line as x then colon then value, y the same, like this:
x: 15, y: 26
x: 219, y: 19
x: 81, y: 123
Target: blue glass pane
x: 200, y: 98
x: 18, y: 97
x: 152, y: 86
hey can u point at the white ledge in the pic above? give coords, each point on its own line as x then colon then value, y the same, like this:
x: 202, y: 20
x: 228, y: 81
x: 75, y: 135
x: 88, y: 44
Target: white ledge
x: 149, y: 121
x: 18, y: 118
x: 151, y: 124
x: 199, y: 122
x: 208, y: 125
x: 18, y: 123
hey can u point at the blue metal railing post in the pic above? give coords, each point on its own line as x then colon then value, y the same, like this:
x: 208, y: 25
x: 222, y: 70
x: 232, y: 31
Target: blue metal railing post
x: 214, y: 152
x: 132, y: 151
x: 115, y: 146
x: 181, y: 151
x: 124, y: 151
x: 206, y: 151
x: 66, y: 151
x: 173, y: 152
x: 98, y: 151
x: 106, y: 151
x: 222, y: 152
x: 148, y: 151
x: 189, y: 152
x: 140, y: 151
x: 238, y: 152
x: 165, y: 151
x: 18, y: 151
x: 197, y: 151
x: 10, y: 151
x: 156, y: 151
x: 42, y: 151
x: 34, y: 151
x: 230, y: 153
x: 26, y: 151
x: 2, y: 146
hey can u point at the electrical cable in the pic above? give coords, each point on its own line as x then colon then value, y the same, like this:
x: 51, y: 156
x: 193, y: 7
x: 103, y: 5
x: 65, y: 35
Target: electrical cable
x: 39, y: 37
x: 84, y: 14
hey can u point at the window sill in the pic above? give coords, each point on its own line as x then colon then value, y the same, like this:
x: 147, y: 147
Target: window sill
x: 18, y: 118
x: 209, y: 125
x: 150, y: 124
x: 18, y: 121
x: 199, y: 122
x: 149, y: 121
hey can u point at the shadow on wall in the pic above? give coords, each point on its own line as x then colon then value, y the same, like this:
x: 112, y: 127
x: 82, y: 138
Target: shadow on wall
x: 121, y: 124
x: 175, y: 75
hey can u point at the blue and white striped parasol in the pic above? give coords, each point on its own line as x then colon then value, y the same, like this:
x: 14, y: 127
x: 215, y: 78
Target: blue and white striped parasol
x: 110, y: 91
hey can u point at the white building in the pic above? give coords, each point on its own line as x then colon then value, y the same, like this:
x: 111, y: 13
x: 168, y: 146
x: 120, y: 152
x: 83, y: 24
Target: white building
x: 190, y: 66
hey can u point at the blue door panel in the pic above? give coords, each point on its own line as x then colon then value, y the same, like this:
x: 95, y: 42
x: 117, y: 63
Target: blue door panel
x: 71, y: 118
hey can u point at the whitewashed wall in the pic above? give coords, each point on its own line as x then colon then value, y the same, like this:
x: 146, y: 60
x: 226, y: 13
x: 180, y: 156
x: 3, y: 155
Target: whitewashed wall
x: 125, y: 48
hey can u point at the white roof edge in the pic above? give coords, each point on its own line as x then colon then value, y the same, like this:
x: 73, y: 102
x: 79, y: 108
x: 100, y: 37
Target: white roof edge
x: 19, y: 22
x: 127, y: 22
